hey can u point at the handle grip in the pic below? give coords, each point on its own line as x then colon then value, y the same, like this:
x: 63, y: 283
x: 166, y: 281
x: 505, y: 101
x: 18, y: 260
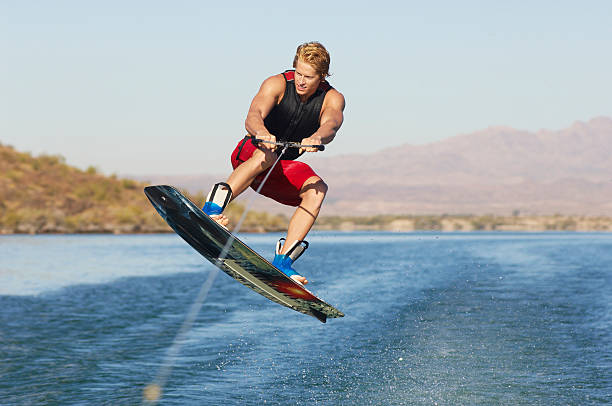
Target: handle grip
x: 290, y: 144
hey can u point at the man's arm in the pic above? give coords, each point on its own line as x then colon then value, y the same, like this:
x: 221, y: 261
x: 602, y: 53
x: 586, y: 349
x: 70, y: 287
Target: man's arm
x: 332, y: 117
x: 267, y: 97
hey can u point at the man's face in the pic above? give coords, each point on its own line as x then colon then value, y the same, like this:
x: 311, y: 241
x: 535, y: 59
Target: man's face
x: 306, y: 79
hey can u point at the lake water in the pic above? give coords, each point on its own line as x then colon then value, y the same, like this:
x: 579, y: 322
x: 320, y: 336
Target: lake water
x: 431, y: 319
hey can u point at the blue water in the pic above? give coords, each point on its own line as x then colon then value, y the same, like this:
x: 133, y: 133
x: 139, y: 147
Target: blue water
x: 431, y: 319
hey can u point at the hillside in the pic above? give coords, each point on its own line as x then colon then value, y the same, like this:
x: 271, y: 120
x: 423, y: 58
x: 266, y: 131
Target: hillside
x: 45, y: 195
x: 495, y: 179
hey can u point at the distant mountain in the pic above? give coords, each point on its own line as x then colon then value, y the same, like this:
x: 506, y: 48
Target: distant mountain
x: 499, y: 170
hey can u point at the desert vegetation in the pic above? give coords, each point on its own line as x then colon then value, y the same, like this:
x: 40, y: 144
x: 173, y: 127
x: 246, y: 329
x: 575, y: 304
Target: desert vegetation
x: 45, y: 195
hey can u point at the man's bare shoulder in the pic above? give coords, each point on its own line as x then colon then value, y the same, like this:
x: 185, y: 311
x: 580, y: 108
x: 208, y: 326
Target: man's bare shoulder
x: 274, y: 85
x: 334, y: 98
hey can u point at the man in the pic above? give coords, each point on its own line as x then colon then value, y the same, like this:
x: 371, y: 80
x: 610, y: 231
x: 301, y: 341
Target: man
x: 298, y: 105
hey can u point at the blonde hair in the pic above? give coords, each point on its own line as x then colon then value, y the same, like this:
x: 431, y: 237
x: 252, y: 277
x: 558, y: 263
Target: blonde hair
x: 314, y: 54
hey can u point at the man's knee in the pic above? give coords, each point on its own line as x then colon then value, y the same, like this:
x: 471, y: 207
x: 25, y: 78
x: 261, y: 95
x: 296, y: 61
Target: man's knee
x: 262, y: 160
x: 314, y: 190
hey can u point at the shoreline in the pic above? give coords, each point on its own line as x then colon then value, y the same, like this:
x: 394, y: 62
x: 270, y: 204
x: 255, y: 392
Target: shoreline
x: 385, y: 223
x: 451, y: 223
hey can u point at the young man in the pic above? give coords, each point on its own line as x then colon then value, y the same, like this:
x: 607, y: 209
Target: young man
x: 298, y: 105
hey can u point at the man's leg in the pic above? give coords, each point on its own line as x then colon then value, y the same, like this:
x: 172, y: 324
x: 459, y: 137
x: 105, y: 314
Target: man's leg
x: 312, y: 193
x: 242, y: 177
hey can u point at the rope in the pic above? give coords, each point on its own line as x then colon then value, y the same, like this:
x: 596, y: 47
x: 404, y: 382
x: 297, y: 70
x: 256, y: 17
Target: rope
x: 152, y: 392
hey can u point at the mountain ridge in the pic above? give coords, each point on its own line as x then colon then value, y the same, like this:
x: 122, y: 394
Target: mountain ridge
x: 497, y: 170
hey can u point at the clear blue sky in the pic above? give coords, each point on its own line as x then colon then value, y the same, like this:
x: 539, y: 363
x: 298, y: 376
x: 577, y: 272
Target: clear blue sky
x: 142, y: 87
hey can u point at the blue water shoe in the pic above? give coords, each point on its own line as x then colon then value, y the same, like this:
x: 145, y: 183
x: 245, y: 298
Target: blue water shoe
x: 212, y: 209
x: 217, y: 199
x: 284, y: 262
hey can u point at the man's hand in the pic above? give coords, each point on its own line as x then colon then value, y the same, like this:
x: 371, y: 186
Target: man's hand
x: 312, y: 140
x: 266, y: 136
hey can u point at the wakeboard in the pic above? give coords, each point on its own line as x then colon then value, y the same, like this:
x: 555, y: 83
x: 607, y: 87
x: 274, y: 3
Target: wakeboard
x: 240, y: 262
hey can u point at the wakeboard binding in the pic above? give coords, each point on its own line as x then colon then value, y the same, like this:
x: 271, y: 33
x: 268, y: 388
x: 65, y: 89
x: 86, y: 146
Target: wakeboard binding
x: 218, y: 199
x: 285, y: 261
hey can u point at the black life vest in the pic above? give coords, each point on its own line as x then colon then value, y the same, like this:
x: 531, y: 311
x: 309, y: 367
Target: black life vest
x: 292, y: 120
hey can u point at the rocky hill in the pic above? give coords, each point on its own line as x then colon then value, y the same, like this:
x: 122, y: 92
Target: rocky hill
x: 45, y: 195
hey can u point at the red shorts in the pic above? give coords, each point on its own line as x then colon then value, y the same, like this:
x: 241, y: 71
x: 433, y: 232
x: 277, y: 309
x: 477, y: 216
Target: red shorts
x: 285, y: 181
